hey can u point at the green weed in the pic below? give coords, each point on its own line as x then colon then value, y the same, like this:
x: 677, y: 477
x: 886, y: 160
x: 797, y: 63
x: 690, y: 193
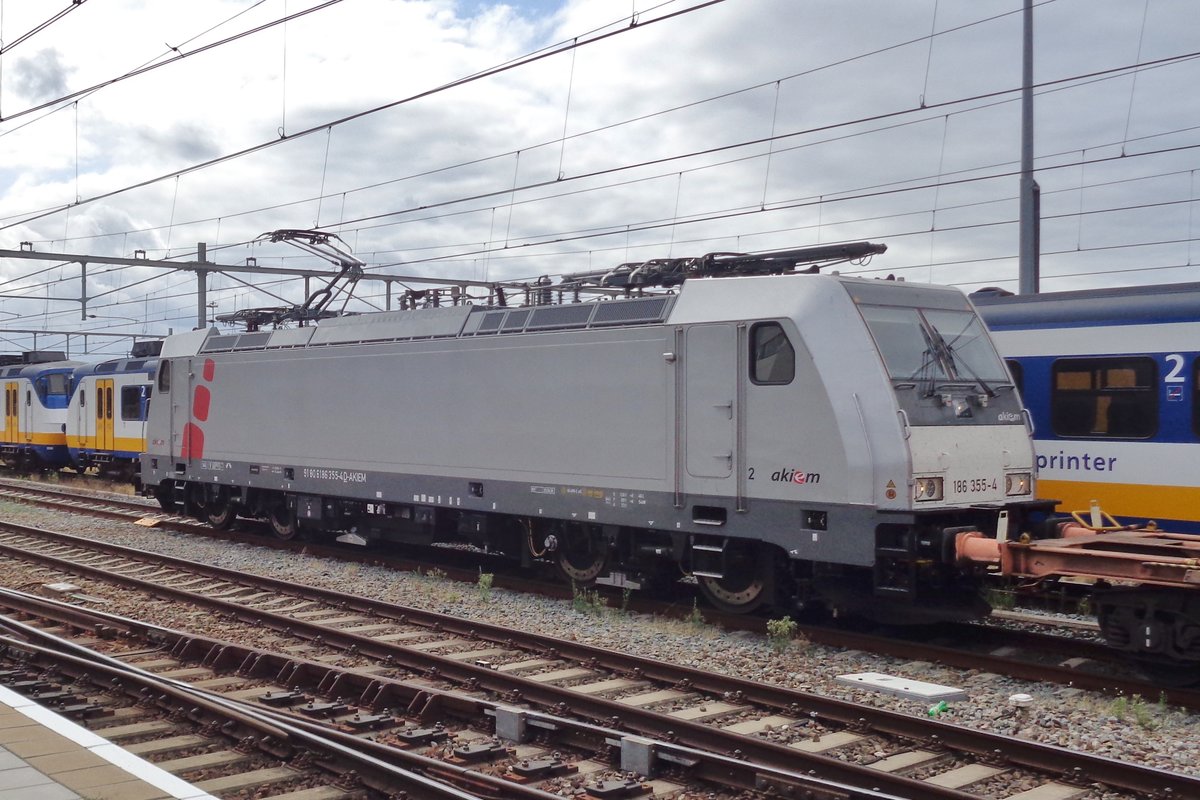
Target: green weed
x: 695, y: 619
x: 587, y: 601
x: 780, y: 632
x: 999, y: 598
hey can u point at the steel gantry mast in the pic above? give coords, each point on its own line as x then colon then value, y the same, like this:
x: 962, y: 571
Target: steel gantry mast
x: 202, y: 267
x: 1030, y: 238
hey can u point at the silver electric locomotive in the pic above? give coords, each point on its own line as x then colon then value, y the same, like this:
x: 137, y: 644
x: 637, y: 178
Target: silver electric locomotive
x: 783, y: 438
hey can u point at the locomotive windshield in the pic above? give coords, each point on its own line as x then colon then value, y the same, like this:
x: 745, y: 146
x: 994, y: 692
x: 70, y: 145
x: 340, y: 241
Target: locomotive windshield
x: 934, y: 347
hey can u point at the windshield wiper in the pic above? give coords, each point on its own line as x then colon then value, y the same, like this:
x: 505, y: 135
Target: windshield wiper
x: 924, y: 373
x: 951, y: 365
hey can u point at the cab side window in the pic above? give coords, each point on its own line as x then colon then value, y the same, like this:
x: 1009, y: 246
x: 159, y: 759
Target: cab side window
x: 772, y: 357
x: 164, y: 376
x: 1107, y: 398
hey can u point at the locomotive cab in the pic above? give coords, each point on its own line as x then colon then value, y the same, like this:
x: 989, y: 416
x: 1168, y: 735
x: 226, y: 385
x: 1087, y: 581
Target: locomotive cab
x: 872, y: 422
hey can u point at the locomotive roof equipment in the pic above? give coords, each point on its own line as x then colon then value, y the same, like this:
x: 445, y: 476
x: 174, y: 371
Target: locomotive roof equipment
x: 316, y: 305
x: 668, y: 272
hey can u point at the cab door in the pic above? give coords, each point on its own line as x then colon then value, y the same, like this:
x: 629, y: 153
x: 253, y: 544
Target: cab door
x: 11, y: 417
x: 710, y: 407
x: 104, y: 414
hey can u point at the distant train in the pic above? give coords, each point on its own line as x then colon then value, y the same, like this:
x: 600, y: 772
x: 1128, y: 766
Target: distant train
x: 60, y: 413
x: 36, y: 393
x: 1109, y: 377
x: 784, y: 439
x: 106, y: 416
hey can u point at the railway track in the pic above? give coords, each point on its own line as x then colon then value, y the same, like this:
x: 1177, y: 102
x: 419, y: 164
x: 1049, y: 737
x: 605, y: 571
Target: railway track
x: 1080, y: 661
x: 245, y: 734
x: 684, y: 713
x: 226, y: 747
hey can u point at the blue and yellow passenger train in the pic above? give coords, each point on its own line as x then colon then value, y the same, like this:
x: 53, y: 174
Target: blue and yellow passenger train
x: 35, y: 403
x: 61, y: 413
x: 1109, y: 377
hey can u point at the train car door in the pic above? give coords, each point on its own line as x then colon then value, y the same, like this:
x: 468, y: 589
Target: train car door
x: 11, y: 413
x: 11, y: 416
x: 710, y: 405
x: 25, y: 419
x: 104, y: 414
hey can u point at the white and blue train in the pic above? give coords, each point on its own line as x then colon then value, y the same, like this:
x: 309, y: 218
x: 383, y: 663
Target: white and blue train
x: 36, y: 393
x: 106, y: 415
x: 1109, y: 377
x: 786, y: 439
x: 64, y: 414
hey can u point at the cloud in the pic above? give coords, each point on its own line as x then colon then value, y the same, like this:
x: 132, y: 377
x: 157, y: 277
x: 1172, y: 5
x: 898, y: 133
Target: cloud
x: 41, y: 77
x: 627, y: 148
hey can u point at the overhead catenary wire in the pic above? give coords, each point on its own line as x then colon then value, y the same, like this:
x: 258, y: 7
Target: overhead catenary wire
x: 341, y: 223
x: 827, y: 194
x: 528, y: 59
x: 764, y: 140
x: 752, y: 210
x: 62, y: 100
x: 41, y: 26
x: 879, y: 190
x: 558, y: 195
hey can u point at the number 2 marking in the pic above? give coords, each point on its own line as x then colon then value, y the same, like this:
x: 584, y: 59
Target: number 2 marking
x: 1175, y: 375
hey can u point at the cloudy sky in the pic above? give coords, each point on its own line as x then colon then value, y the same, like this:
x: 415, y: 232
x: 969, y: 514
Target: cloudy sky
x: 488, y: 140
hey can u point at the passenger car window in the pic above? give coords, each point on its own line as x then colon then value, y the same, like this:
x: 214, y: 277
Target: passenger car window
x: 131, y: 403
x: 1109, y: 398
x: 772, y: 357
x: 1196, y: 397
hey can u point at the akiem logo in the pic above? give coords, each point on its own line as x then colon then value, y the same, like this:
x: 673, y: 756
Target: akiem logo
x: 795, y: 476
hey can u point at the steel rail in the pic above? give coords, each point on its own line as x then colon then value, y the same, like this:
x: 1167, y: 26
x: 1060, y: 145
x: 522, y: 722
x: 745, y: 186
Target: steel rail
x: 1040, y: 757
x: 63, y: 652
x: 378, y: 692
x: 834, y: 637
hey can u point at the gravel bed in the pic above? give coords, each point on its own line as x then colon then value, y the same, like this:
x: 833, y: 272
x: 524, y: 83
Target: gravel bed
x: 1137, y: 730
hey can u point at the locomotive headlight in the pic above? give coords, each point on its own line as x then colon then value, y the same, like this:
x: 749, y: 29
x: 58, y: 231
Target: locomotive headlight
x: 1018, y: 483
x: 928, y: 489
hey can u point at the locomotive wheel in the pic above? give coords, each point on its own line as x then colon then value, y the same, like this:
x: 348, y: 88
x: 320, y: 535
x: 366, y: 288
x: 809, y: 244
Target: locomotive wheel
x: 283, y: 522
x: 746, y: 586
x: 581, y: 555
x: 195, y: 501
x: 165, y: 495
x: 220, y: 511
